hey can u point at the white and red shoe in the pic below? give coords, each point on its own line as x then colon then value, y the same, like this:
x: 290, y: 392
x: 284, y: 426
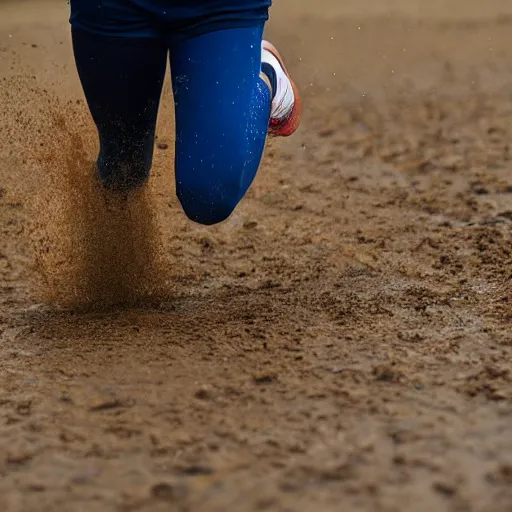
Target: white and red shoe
x: 286, y: 110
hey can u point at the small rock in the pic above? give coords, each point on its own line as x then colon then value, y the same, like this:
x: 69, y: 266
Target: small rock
x: 196, y: 470
x: 386, y: 373
x: 264, y: 378
x: 444, y: 488
x: 20, y: 454
x: 506, y: 472
x: 203, y: 394
x: 104, y: 405
x: 399, y: 459
x: 168, y: 492
x: 36, y: 486
x: 327, y: 132
x: 207, y: 243
x: 507, y: 214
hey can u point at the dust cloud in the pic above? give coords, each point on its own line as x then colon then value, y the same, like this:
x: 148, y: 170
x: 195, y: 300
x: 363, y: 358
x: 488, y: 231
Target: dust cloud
x: 91, y: 248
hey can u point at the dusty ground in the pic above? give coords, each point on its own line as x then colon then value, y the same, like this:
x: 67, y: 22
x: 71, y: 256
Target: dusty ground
x: 341, y: 343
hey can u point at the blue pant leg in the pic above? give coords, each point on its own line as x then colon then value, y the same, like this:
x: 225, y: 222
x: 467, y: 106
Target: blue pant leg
x: 222, y: 113
x: 122, y: 79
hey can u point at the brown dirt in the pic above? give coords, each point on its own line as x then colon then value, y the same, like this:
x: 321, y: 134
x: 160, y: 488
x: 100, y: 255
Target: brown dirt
x: 341, y: 343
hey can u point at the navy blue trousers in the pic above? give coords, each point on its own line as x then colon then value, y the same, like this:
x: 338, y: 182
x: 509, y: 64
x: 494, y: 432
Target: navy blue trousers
x: 222, y: 110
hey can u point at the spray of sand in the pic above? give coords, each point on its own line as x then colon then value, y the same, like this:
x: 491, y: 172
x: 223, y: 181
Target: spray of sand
x: 91, y: 248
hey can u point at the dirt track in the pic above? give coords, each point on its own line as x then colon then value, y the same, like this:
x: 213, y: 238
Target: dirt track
x: 341, y: 343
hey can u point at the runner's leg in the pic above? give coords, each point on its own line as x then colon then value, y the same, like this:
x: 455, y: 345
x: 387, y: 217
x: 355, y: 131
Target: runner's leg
x: 222, y: 115
x: 122, y: 79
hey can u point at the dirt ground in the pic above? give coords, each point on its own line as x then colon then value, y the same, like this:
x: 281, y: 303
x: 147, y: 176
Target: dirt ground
x: 342, y: 342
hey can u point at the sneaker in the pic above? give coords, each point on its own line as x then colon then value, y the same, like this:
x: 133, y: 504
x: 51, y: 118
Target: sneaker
x: 286, y: 110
